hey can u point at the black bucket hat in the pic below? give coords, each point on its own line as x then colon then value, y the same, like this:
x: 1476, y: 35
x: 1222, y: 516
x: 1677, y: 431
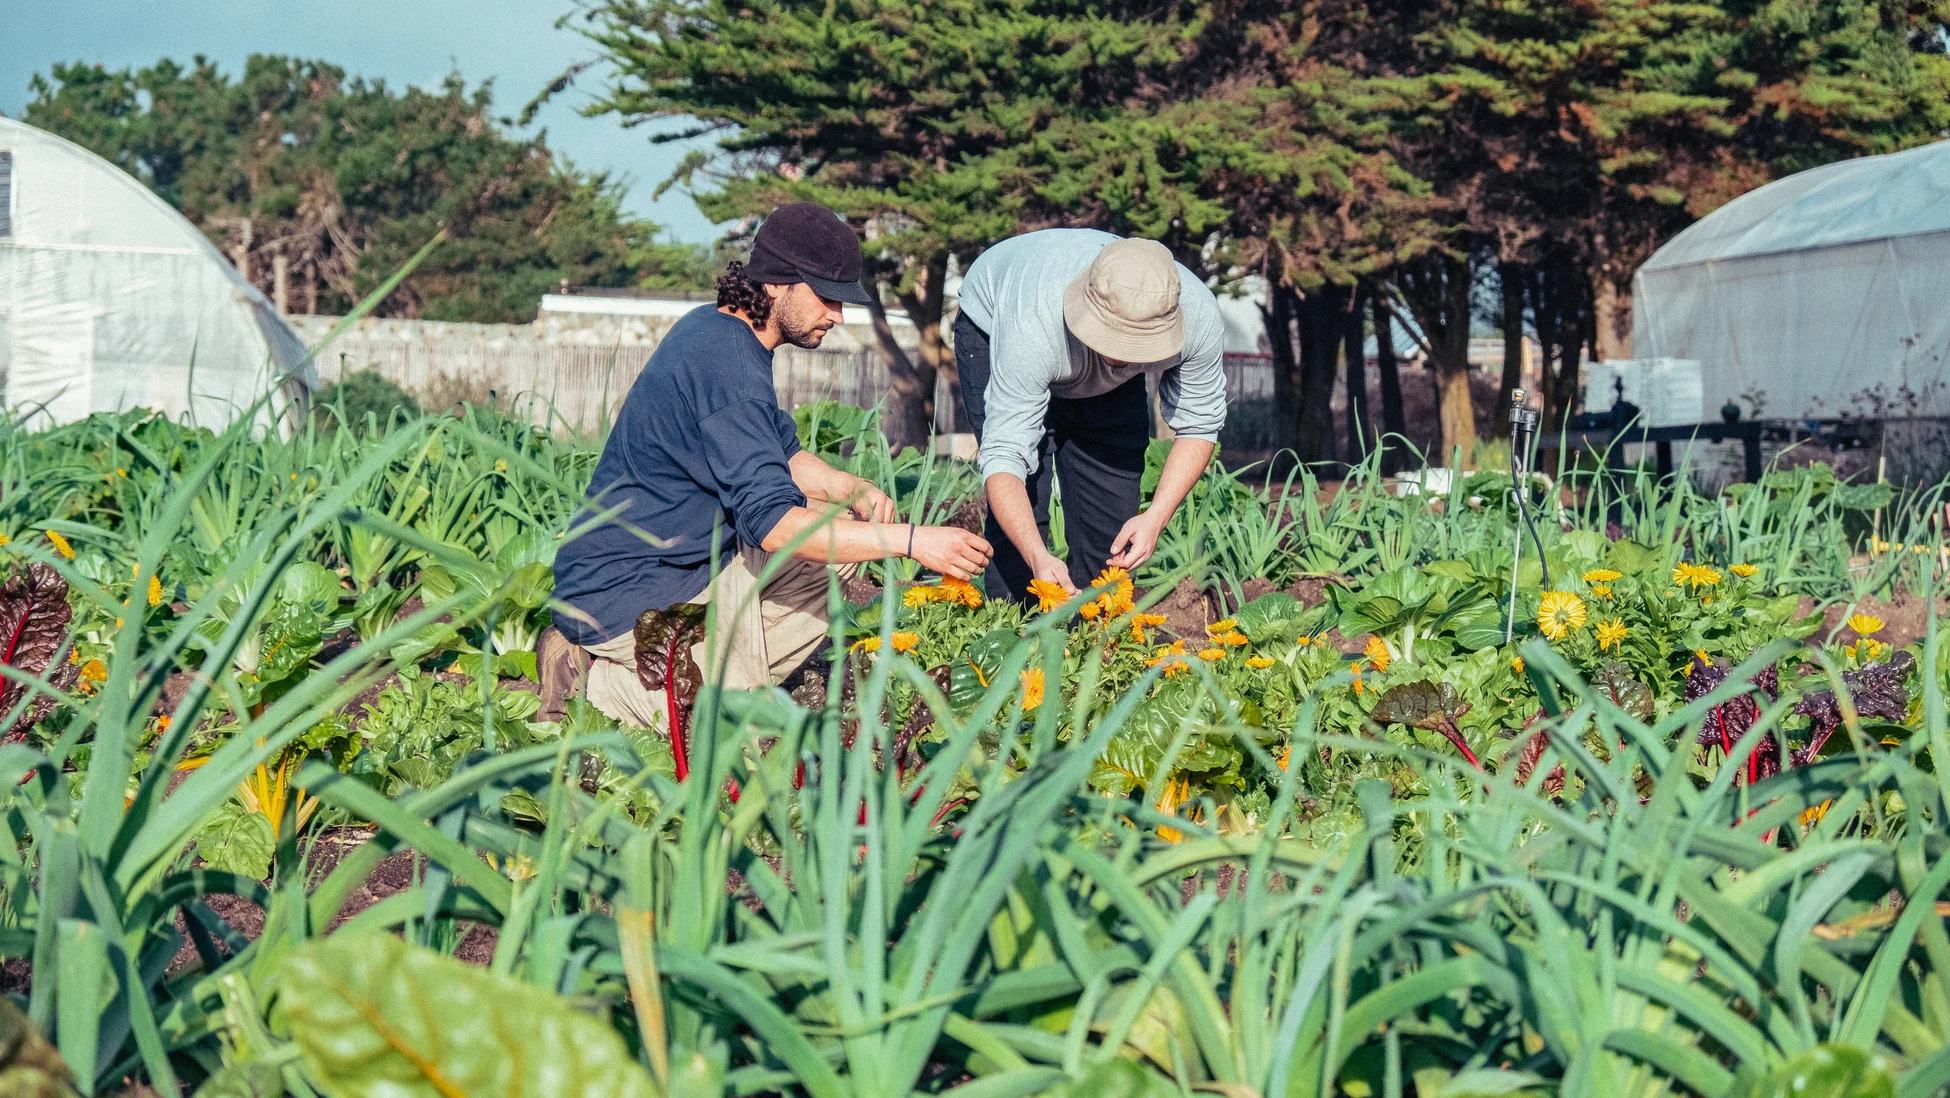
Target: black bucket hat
x: 806, y: 242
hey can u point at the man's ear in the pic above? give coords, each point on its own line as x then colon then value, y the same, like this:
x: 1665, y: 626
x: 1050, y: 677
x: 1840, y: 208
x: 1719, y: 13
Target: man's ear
x: 774, y: 291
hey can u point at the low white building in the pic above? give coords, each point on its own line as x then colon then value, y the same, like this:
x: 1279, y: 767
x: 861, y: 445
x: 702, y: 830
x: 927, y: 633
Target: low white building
x: 110, y: 300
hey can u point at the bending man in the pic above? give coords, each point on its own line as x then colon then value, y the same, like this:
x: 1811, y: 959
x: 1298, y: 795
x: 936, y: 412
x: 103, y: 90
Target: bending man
x: 702, y: 451
x: 1057, y: 329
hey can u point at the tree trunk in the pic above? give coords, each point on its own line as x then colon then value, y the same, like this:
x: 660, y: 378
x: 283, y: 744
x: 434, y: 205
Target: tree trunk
x: 1360, y: 426
x: 1320, y: 325
x: 910, y: 407
x: 1437, y: 291
x: 925, y: 300
x: 1512, y: 277
x: 1611, y: 316
x: 1545, y: 297
x: 1394, y: 425
x: 1286, y: 374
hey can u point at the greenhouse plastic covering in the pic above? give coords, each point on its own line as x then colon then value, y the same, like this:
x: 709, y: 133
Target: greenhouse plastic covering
x: 110, y: 300
x: 1825, y: 291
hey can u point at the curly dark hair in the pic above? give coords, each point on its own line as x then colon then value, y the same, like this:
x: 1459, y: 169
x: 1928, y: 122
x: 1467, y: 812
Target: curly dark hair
x: 738, y: 292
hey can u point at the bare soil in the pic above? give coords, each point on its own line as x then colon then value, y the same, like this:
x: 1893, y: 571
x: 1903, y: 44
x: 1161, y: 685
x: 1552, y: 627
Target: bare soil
x: 1905, y: 620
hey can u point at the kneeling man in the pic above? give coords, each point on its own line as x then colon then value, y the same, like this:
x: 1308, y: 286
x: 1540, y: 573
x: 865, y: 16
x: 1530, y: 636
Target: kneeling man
x: 701, y: 451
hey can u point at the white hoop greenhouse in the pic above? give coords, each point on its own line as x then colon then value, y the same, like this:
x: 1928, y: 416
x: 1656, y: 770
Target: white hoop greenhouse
x: 110, y: 300
x: 1825, y: 291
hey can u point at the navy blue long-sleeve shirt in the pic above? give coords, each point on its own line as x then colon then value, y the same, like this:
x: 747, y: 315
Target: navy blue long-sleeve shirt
x: 699, y: 446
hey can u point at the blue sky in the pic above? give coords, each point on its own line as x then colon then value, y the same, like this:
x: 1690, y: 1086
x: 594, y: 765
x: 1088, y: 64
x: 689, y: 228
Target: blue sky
x: 514, y: 42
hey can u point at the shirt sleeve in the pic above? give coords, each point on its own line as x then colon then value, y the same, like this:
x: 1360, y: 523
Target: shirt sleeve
x: 1193, y: 393
x: 1017, y: 400
x: 743, y: 450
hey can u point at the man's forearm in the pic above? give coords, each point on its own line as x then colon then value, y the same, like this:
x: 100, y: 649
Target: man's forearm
x: 1009, y: 503
x: 819, y: 480
x: 835, y: 539
x: 1184, y: 464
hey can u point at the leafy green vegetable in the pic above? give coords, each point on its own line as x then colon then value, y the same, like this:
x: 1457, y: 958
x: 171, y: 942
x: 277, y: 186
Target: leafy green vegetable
x: 375, y: 1017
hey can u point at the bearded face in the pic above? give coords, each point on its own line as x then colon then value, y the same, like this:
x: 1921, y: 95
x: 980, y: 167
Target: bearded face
x: 803, y: 316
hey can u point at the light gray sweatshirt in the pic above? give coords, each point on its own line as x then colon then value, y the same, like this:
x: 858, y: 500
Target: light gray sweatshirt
x: 1014, y: 292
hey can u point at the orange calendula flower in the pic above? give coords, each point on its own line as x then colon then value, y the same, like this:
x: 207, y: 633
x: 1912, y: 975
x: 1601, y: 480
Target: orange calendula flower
x: 60, y: 544
x: 1112, y: 576
x: 155, y: 590
x: 1049, y: 596
x: 1142, y: 622
x: 1234, y: 639
x: 1286, y: 755
x: 1032, y: 689
x: 1813, y: 813
x: 906, y: 642
x: 1377, y: 653
x: 1210, y: 654
x: 1259, y: 663
x: 1092, y: 610
x: 960, y: 591
x: 163, y: 722
x: 1602, y: 575
x: 1744, y: 571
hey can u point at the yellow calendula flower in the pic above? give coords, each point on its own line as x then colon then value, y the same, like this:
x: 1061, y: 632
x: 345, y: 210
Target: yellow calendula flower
x: 1601, y: 591
x: 5, y: 540
x: 1516, y: 664
x: 1049, y: 595
x: 1695, y: 576
x: 1032, y: 689
x: 906, y: 642
x: 917, y: 597
x: 1220, y: 627
x: 1813, y: 813
x: 1233, y: 639
x: 1377, y: 653
x: 867, y: 644
x: 1259, y: 663
x: 1865, y: 625
x: 1744, y: 571
x: 155, y: 590
x: 501, y: 465
x: 1176, y: 792
x: 1559, y: 614
x: 60, y: 543
x: 1602, y: 575
x: 1869, y: 649
x: 1611, y: 634
x: 94, y: 671
x: 1210, y: 654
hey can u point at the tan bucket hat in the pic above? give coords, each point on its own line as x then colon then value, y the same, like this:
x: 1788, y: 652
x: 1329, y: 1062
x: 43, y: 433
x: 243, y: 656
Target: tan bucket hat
x: 1125, y: 305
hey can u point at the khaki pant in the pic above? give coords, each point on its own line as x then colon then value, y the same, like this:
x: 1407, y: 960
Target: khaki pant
x: 761, y: 636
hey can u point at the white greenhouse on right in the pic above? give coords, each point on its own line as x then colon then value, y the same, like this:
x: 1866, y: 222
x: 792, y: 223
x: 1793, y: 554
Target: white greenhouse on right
x: 1827, y: 292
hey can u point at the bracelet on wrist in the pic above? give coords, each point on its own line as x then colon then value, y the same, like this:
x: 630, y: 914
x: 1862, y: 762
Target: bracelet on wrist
x: 910, y: 541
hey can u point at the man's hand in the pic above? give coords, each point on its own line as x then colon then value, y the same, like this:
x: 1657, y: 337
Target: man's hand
x: 871, y: 504
x: 1136, y: 542
x: 950, y: 551
x: 1049, y: 568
